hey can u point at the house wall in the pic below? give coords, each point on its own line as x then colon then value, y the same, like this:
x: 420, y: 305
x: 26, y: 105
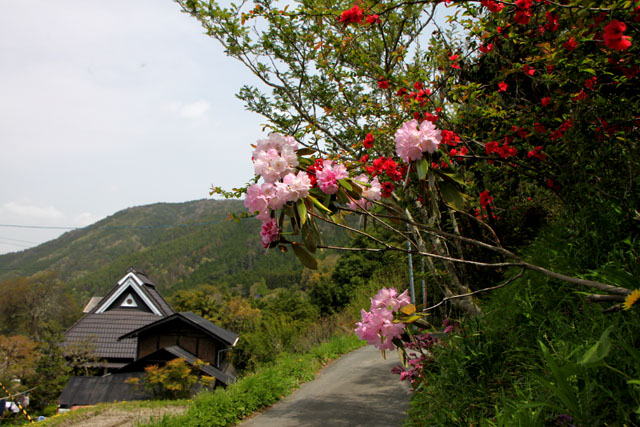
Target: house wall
x: 180, y: 334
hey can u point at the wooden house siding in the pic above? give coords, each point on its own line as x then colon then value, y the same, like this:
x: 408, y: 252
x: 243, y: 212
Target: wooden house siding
x: 180, y: 334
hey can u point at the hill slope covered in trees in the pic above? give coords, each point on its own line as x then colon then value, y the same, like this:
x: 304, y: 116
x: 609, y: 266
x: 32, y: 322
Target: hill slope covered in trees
x: 180, y: 246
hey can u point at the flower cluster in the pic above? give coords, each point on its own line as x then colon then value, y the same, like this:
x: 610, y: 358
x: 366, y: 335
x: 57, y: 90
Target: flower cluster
x: 275, y: 157
x: 329, y: 175
x: 385, y: 165
x: 371, y: 191
x: 504, y: 150
x: 377, y: 326
x: 355, y: 15
x: 275, y: 160
x: 413, y: 140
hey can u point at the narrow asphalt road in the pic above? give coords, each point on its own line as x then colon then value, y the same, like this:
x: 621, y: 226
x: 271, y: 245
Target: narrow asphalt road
x: 356, y: 390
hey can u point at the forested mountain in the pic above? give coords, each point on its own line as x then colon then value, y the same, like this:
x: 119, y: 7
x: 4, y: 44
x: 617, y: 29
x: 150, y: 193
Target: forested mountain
x: 179, y: 245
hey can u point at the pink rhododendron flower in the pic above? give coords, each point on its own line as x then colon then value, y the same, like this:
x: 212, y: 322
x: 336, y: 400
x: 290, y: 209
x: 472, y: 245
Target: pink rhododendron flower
x: 370, y: 192
x: 258, y: 198
x: 275, y: 157
x: 292, y: 188
x: 389, y: 298
x: 377, y: 326
x: 412, y: 141
x: 269, y: 232
x: 329, y: 175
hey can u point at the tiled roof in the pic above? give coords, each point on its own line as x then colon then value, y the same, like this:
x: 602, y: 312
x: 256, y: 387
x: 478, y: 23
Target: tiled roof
x: 92, y: 390
x: 157, y: 299
x: 193, y: 319
x: 103, y: 330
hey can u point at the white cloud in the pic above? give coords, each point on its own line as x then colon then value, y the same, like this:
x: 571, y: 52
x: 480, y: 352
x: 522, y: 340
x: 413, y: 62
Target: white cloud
x: 28, y: 210
x: 194, y: 110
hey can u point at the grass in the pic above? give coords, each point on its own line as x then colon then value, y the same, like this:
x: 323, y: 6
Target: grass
x: 73, y: 417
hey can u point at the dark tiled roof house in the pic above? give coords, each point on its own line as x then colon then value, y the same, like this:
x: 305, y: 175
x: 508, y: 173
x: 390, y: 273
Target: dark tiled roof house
x: 134, y: 327
x: 134, y: 302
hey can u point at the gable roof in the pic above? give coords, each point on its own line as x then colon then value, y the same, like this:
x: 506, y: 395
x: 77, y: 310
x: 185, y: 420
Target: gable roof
x: 139, y: 284
x: 106, y: 321
x: 193, y: 319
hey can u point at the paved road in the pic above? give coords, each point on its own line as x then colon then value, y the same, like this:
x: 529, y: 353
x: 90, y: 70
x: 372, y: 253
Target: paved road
x: 356, y: 390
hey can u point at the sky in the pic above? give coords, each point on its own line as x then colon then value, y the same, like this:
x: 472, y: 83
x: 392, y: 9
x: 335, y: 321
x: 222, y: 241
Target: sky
x: 106, y: 105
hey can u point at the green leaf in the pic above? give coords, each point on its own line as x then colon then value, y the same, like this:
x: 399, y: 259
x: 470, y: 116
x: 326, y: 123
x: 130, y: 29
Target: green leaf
x: 309, y: 235
x: 305, y: 257
x: 423, y: 167
x: 318, y: 204
x: 346, y: 184
x: 453, y: 176
x: 302, y: 211
x: 598, y: 351
x: 451, y: 195
x: 408, y: 319
x: 305, y: 151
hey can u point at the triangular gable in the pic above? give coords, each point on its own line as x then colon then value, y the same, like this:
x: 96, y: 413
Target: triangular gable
x: 130, y: 282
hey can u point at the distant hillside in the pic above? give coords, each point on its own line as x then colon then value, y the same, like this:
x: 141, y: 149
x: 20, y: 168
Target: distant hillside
x: 211, y: 250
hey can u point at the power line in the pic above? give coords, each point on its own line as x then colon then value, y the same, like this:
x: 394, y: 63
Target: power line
x: 106, y: 227
x: 38, y: 226
x: 18, y: 240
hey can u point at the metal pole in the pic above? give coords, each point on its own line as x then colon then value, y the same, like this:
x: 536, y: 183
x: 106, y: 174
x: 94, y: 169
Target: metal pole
x: 424, y: 288
x: 413, y: 292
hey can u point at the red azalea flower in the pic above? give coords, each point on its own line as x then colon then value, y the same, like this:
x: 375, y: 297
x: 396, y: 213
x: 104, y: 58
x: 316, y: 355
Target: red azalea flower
x: 401, y: 92
x: 486, y: 48
x: 382, y: 83
x: 537, y: 153
x: 485, y: 199
x: 571, y: 44
x: 492, y: 5
x: 352, y: 16
x: 545, y: 101
x: 522, y: 17
x: 449, y: 137
x: 539, y: 127
x: 580, y: 96
x: 430, y: 117
x: 552, y: 22
x: 417, y: 85
x: 590, y: 83
x: 364, y: 158
x: 387, y: 189
x: 528, y: 70
x: 502, y: 86
x: 613, y: 37
x: 373, y: 19
x: 368, y: 141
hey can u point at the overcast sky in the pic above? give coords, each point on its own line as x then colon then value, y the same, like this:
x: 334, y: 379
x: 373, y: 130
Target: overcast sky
x: 106, y: 105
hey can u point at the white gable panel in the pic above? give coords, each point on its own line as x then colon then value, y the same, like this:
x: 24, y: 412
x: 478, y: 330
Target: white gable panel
x: 129, y: 282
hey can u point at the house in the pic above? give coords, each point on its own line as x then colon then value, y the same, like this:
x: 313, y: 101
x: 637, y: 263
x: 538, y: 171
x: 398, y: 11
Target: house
x: 134, y: 327
x: 132, y: 303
